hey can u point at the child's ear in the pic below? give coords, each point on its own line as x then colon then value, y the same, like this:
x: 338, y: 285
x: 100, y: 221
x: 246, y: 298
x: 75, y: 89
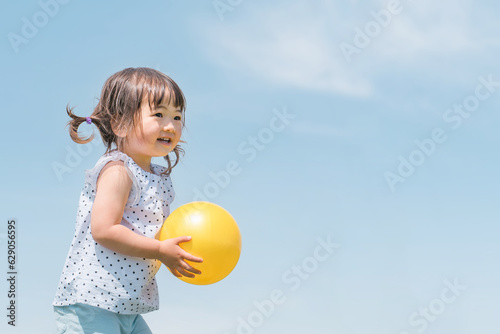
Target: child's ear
x: 119, y: 132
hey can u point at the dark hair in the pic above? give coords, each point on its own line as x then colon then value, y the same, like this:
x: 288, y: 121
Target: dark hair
x: 120, y: 104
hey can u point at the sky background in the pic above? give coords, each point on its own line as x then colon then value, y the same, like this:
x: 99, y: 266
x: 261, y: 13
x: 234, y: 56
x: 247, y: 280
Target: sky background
x: 374, y: 157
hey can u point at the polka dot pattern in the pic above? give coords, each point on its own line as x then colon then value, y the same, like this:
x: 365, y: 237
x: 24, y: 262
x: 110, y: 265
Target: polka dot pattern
x: 97, y: 276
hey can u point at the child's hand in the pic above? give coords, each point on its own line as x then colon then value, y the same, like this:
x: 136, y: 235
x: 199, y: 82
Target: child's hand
x: 173, y: 256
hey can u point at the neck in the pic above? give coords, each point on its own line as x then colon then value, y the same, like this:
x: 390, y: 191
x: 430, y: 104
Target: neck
x: 141, y: 160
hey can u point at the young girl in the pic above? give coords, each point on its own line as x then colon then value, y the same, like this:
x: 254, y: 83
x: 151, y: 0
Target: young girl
x: 108, y: 279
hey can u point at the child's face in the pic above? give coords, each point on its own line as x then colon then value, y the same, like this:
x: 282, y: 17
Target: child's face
x: 157, y: 133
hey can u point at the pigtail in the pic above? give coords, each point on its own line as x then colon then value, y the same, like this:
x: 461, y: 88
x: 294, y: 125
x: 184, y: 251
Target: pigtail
x: 74, y: 124
x: 101, y: 120
x: 107, y: 134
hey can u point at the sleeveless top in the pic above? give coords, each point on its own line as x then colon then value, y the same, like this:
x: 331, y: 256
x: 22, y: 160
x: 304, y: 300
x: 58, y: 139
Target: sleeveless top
x: 97, y: 276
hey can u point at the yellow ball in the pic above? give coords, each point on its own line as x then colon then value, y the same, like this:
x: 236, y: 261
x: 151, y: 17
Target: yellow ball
x: 215, y: 236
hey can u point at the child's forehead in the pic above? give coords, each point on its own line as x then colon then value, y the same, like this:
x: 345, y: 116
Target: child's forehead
x: 169, y: 105
x: 166, y: 104
x: 166, y: 99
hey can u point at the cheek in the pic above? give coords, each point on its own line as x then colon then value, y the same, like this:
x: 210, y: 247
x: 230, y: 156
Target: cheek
x: 152, y: 129
x: 178, y: 131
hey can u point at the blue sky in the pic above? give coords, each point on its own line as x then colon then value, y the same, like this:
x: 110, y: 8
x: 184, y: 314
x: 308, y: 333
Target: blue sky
x: 366, y: 206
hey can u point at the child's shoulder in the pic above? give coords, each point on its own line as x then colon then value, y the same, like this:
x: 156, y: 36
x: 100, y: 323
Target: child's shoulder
x: 114, y: 173
x: 109, y: 157
x: 117, y: 166
x: 111, y: 164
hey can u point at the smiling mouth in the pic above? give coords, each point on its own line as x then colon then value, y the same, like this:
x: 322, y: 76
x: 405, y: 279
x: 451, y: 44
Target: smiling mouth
x: 165, y: 140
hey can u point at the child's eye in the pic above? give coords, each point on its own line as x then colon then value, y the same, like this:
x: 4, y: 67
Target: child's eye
x: 177, y: 118
x: 159, y: 114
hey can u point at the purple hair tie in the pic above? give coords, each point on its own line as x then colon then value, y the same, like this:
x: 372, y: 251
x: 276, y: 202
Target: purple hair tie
x: 88, y: 120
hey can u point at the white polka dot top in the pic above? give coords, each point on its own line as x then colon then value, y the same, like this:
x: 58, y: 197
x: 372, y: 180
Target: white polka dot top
x: 97, y: 276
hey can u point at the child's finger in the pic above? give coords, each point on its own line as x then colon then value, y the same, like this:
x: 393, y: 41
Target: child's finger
x: 189, y: 268
x: 175, y: 273
x: 181, y: 239
x: 185, y: 273
x: 191, y: 257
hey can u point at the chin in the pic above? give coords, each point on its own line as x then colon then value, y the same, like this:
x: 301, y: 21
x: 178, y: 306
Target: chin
x: 163, y: 154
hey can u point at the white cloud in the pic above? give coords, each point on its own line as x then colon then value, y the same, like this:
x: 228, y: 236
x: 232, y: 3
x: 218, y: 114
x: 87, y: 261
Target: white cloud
x: 287, y: 45
x: 429, y: 28
x: 297, y: 43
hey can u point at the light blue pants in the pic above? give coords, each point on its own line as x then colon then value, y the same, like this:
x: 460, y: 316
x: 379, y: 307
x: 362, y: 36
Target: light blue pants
x: 86, y: 319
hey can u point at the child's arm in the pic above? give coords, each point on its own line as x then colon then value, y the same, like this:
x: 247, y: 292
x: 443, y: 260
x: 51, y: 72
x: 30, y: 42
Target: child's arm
x: 113, y: 188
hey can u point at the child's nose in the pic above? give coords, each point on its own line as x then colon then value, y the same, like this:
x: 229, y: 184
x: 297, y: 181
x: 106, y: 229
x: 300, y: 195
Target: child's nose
x: 168, y: 127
